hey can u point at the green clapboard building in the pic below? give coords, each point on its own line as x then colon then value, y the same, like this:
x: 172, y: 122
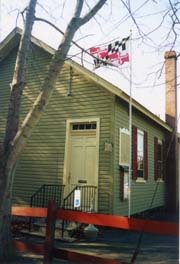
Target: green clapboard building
x: 82, y: 139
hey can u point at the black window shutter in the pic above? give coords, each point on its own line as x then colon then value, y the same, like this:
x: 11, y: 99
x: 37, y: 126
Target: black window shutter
x: 155, y: 158
x: 164, y: 160
x: 145, y: 155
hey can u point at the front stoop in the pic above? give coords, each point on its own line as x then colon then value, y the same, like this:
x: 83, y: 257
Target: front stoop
x: 39, y: 230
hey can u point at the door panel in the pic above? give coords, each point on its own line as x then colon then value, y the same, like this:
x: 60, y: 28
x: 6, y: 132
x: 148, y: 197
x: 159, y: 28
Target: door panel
x: 83, y: 163
x: 90, y: 165
x: 76, y: 160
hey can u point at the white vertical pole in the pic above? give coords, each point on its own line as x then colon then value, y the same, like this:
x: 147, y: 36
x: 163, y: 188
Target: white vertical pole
x: 130, y: 122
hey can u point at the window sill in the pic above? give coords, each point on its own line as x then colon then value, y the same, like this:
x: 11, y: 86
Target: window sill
x: 159, y: 180
x: 140, y: 180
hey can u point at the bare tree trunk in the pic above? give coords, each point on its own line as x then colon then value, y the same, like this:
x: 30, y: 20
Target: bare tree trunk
x: 48, y: 85
x: 6, y: 170
x: 18, y: 81
x: 6, y: 247
x: 15, y: 139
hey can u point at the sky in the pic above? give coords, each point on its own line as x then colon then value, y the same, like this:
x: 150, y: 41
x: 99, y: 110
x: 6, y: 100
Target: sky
x: 112, y: 23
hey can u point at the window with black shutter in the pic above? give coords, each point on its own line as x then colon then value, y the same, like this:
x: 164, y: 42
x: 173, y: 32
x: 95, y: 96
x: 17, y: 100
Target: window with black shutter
x: 158, y: 159
x: 139, y: 154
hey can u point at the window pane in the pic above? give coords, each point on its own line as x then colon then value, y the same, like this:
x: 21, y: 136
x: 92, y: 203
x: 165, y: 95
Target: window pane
x: 159, y: 151
x: 88, y: 126
x: 75, y: 127
x: 140, y: 153
x: 140, y: 141
x: 160, y: 169
x: 140, y: 174
x: 160, y: 159
x: 93, y: 126
x: 140, y: 163
x: 84, y: 126
x: 81, y: 127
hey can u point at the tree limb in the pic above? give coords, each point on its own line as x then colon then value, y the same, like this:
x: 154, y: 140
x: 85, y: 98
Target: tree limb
x: 92, y: 12
x: 174, y: 11
x: 48, y: 85
x: 18, y: 80
x: 75, y: 43
x: 78, y: 8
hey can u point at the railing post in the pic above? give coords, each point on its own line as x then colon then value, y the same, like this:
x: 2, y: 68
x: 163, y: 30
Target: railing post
x: 30, y: 218
x: 44, y: 186
x: 50, y: 231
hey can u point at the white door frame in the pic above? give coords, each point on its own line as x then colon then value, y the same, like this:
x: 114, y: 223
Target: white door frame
x: 69, y: 122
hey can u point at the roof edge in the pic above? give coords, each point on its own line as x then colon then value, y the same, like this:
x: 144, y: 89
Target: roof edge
x: 90, y: 75
x: 117, y: 91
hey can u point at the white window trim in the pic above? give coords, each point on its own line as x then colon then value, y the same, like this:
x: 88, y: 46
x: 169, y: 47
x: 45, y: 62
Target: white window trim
x: 140, y: 131
x: 160, y: 141
x: 159, y: 180
x: 141, y: 180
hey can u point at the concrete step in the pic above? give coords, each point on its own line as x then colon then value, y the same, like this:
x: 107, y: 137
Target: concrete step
x: 69, y: 226
x: 40, y: 234
x: 39, y: 229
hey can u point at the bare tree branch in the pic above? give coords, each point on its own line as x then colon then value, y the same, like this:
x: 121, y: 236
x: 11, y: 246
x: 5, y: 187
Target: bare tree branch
x: 48, y: 84
x: 78, y: 8
x: 19, y: 77
x: 174, y: 10
x: 74, y: 42
x: 134, y: 20
x: 92, y: 12
x: 95, y: 18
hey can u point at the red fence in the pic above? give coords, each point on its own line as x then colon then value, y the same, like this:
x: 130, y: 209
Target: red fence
x: 52, y: 214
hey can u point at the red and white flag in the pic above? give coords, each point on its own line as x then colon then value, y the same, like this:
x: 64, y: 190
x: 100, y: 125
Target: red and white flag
x: 115, y: 53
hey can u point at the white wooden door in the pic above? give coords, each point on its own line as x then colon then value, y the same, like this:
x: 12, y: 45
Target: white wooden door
x: 83, y: 164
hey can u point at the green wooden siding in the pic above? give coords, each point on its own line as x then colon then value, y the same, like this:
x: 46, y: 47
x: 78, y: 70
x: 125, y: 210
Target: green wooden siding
x: 6, y: 71
x: 42, y: 161
x: 141, y: 193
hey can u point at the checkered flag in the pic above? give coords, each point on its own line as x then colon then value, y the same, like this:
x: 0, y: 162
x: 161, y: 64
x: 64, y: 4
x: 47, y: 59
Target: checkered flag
x: 118, y: 46
x: 114, y: 54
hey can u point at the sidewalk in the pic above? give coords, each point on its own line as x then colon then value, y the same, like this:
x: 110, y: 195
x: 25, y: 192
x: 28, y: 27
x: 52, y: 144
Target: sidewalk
x: 115, y: 244
x: 120, y: 245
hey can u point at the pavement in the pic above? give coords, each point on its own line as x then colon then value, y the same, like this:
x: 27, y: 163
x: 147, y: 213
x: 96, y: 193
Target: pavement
x: 117, y: 244
x: 120, y: 245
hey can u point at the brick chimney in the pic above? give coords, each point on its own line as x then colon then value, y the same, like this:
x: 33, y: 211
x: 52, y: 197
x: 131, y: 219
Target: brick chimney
x: 171, y: 138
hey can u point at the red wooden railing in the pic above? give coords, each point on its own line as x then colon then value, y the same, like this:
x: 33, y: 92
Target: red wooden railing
x: 52, y: 213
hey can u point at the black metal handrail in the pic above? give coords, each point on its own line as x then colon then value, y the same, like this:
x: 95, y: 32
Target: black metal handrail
x: 87, y: 201
x: 48, y: 192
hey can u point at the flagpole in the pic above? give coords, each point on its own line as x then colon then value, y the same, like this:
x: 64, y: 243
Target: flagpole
x: 130, y: 123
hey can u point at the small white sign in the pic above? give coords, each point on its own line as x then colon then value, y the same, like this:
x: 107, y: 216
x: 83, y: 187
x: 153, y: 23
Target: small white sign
x: 126, y: 186
x: 77, y: 198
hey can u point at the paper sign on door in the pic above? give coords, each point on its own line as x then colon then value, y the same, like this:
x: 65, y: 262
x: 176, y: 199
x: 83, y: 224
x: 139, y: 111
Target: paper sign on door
x: 77, y: 198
